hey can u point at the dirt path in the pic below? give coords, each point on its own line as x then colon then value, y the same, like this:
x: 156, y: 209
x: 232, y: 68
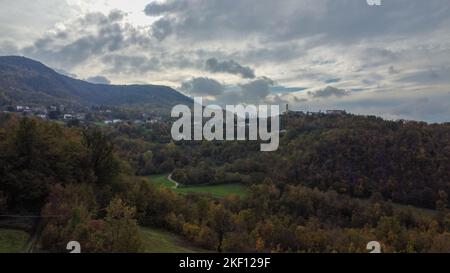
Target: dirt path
x: 173, y: 181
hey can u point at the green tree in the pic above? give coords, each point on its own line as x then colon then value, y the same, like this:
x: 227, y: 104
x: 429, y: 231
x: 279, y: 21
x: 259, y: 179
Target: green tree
x: 101, y: 156
x: 122, y: 228
x: 220, y: 220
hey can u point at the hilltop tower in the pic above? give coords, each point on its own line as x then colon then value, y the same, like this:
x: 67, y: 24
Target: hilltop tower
x: 287, y: 115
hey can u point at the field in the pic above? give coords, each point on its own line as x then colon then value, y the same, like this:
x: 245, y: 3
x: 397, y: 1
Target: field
x: 13, y: 241
x: 161, y: 180
x: 215, y: 190
x: 100, y: 124
x: 157, y: 241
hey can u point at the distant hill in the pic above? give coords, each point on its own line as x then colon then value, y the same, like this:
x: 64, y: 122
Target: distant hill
x: 23, y: 80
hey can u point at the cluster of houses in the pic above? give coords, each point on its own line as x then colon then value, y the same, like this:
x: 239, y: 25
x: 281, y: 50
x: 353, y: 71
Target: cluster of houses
x: 77, y: 116
x: 62, y: 113
x: 55, y: 112
x: 145, y: 119
x: 320, y: 113
x: 112, y: 121
x: 327, y: 112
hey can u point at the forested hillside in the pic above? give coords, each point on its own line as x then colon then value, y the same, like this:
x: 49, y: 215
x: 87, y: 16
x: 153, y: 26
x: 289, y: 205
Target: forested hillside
x: 404, y: 162
x: 334, y: 185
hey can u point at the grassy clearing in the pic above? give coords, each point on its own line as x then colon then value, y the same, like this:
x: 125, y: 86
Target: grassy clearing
x: 100, y: 124
x: 158, y: 241
x: 215, y: 190
x: 13, y: 241
x: 161, y: 180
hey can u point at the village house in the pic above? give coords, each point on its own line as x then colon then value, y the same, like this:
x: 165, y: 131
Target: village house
x: 68, y: 117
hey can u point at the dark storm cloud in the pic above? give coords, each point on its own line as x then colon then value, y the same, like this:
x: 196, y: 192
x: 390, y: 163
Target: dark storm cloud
x: 95, y: 33
x: 232, y: 67
x: 157, y: 8
x: 98, y: 80
x: 257, y: 89
x: 291, y: 19
x: 203, y: 87
x: 252, y: 92
x: 116, y: 15
x: 203, y: 20
x: 161, y: 29
x: 329, y: 91
x: 249, y: 93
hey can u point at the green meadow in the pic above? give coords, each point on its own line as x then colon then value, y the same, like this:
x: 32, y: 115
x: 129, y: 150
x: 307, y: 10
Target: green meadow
x: 13, y: 241
x: 158, y: 241
x: 218, y: 191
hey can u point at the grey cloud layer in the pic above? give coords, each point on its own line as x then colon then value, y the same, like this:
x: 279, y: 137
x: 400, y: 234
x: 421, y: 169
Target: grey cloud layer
x: 73, y: 46
x: 291, y: 19
x: 329, y: 91
x: 232, y: 67
x: 213, y: 48
x: 202, y: 87
x: 255, y: 91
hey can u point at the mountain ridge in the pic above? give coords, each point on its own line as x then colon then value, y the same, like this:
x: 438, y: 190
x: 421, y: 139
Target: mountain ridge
x: 23, y: 80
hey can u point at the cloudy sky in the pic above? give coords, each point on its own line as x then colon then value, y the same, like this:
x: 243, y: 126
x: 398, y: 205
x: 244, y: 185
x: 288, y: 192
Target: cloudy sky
x: 392, y: 60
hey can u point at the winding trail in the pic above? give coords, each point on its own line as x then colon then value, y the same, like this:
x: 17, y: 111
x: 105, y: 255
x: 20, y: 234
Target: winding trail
x: 173, y: 181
